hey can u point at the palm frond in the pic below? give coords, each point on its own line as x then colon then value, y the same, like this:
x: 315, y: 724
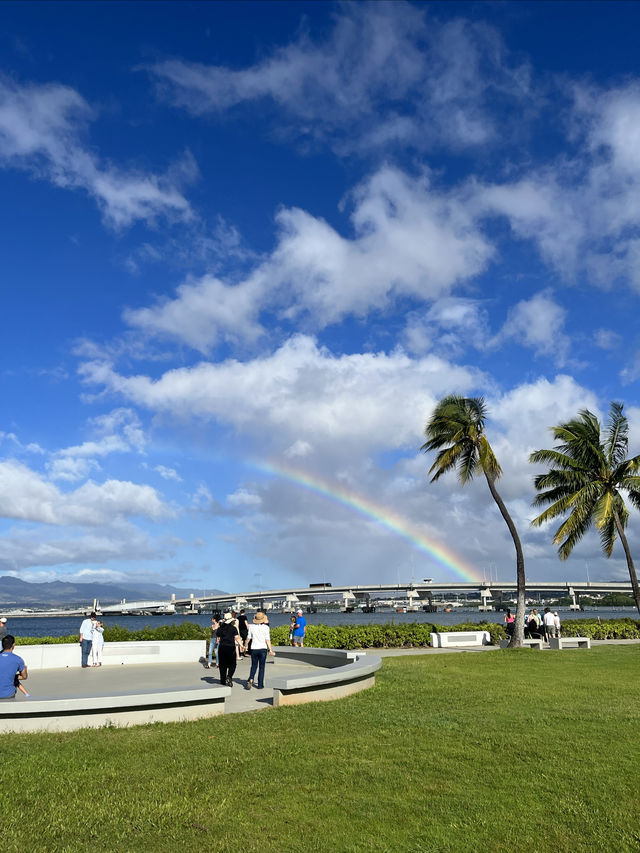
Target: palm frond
x: 617, y: 441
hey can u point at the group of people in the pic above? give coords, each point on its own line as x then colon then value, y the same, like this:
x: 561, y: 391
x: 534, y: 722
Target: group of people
x: 536, y: 627
x: 232, y: 638
x: 91, y: 641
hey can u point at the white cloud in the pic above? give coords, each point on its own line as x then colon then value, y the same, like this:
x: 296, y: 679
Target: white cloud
x: 118, y: 431
x: 19, y: 551
x: 244, y: 498
x: 40, y: 130
x: 537, y: 323
x: 409, y: 240
x: 302, y: 393
x: 387, y: 73
x: 449, y: 326
x: 168, y: 473
x: 27, y: 496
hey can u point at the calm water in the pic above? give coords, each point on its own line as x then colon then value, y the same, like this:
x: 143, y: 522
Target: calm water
x: 58, y: 626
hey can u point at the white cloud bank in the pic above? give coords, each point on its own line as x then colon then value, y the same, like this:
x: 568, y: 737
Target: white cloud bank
x: 27, y: 496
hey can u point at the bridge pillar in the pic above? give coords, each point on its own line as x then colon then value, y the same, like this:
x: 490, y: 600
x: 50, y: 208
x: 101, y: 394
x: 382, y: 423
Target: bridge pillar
x: 574, y: 599
x: 485, y: 595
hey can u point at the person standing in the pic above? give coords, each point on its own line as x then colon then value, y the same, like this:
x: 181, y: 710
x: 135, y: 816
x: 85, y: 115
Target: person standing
x: 3, y: 628
x: 259, y: 635
x: 228, y: 639
x: 243, y: 628
x: 556, y: 623
x: 509, y: 622
x: 97, y: 644
x: 299, y: 630
x: 549, y: 624
x: 213, y: 642
x: 86, y: 638
x: 11, y: 666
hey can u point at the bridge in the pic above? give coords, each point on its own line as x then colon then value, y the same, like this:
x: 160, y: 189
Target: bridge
x: 422, y: 591
x: 361, y: 594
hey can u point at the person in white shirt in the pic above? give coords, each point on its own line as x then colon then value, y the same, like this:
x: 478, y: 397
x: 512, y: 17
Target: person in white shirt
x: 86, y: 638
x: 549, y: 624
x: 260, y: 638
x: 97, y: 644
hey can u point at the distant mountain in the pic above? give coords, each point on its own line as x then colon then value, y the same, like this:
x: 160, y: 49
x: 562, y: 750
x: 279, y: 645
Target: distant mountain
x: 18, y: 593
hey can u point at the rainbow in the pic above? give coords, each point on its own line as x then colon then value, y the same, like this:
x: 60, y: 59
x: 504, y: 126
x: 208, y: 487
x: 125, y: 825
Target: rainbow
x: 438, y: 552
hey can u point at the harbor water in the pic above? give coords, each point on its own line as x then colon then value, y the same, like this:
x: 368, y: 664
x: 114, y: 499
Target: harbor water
x: 61, y: 626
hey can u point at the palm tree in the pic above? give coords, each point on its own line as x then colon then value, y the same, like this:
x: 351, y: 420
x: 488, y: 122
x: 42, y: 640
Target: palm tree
x: 456, y: 430
x: 587, y: 474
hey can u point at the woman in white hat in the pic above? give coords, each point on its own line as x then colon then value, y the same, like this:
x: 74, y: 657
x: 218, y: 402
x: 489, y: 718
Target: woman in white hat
x: 260, y: 638
x: 228, y: 638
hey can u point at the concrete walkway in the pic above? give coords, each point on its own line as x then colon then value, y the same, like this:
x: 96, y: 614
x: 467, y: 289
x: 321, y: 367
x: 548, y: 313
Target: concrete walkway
x: 157, y: 678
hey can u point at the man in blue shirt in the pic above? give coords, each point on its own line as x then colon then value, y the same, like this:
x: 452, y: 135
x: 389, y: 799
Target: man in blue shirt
x: 10, y: 666
x: 299, y: 630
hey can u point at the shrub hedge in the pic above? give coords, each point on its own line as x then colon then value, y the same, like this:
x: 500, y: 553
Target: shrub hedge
x: 389, y: 636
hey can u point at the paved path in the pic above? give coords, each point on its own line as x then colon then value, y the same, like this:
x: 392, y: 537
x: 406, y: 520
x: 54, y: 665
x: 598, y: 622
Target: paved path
x: 156, y: 678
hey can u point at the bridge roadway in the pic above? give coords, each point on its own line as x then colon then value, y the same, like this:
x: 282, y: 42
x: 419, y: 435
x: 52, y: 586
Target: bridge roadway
x: 413, y: 589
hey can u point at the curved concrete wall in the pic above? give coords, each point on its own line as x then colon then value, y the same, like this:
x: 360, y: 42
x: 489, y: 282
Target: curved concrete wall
x: 343, y: 673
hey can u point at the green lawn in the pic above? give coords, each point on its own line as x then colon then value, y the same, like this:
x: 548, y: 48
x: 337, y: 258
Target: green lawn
x: 495, y: 751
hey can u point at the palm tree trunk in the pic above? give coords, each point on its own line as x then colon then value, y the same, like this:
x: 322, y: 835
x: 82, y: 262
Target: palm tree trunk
x: 518, y: 632
x: 635, y: 589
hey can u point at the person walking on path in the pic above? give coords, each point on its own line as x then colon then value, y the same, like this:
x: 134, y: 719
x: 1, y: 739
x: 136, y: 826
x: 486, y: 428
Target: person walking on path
x: 259, y: 635
x: 243, y: 628
x: 11, y: 666
x: 97, y: 644
x: 228, y: 638
x: 86, y: 638
x: 292, y: 628
x: 3, y: 628
x: 213, y: 642
x: 299, y: 630
x: 549, y: 624
x: 509, y: 622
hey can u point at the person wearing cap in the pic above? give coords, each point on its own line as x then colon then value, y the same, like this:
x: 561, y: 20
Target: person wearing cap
x: 12, y: 668
x: 228, y: 639
x: 3, y: 628
x: 259, y: 636
x: 299, y: 630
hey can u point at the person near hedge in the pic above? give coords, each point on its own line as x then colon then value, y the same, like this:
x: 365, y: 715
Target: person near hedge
x: 97, y: 644
x: 509, y: 622
x: 86, y: 638
x: 228, y: 640
x: 259, y: 635
x: 549, y: 624
x: 299, y: 630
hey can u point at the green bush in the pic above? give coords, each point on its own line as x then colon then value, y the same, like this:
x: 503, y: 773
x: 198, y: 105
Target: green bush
x: 387, y: 636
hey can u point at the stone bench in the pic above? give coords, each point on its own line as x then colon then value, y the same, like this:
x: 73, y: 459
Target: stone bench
x: 453, y: 639
x: 569, y: 643
x: 341, y: 673
x: 64, y: 715
x: 531, y: 642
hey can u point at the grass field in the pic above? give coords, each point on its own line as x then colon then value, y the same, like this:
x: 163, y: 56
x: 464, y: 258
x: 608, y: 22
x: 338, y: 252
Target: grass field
x: 499, y: 751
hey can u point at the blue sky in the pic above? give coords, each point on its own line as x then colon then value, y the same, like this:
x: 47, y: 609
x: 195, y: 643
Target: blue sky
x: 246, y: 236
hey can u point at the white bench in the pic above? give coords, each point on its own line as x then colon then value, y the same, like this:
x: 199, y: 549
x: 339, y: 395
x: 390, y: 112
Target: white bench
x: 453, y: 639
x: 569, y: 643
x: 531, y: 642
